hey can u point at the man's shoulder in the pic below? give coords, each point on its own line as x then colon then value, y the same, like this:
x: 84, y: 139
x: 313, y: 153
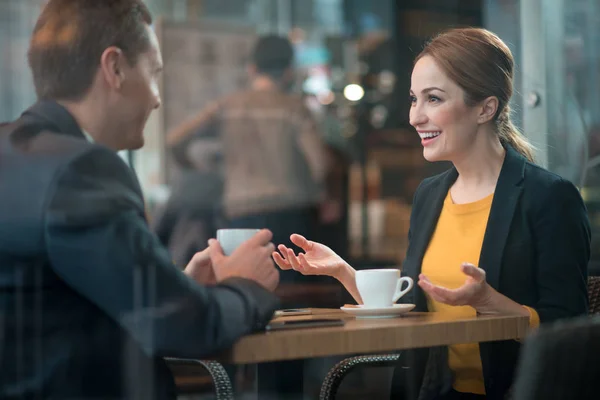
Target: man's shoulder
x: 23, y: 138
x: 99, y: 177
x: 40, y: 150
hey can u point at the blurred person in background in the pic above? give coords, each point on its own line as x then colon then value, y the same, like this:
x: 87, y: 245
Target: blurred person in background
x: 275, y: 168
x: 275, y: 161
x: 90, y: 301
x: 332, y: 215
x: 190, y: 216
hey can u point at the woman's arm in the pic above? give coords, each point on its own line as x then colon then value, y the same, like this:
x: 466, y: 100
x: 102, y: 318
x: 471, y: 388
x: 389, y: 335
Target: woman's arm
x: 561, y: 233
x: 562, y: 237
x: 494, y: 302
x: 347, y: 277
x: 317, y: 259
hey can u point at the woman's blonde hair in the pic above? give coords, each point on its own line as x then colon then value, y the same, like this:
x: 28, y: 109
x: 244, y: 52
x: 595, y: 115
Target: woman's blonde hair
x: 482, y: 65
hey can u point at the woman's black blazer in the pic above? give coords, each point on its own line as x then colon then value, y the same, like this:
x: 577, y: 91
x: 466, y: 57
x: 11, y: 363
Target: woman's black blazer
x: 535, y: 251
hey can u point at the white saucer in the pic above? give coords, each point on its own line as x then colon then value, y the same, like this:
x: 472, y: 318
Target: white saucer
x: 360, y: 311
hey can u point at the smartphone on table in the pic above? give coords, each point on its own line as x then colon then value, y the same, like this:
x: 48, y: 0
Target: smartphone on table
x: 288, y: 312
x: 306, y: 323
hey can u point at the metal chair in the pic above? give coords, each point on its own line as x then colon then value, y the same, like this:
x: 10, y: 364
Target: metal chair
x: 594, y: 294
x: 221, y: 382
x: 337, y: 374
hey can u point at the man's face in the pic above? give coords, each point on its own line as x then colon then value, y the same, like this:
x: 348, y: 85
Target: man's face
x: 139, y: 95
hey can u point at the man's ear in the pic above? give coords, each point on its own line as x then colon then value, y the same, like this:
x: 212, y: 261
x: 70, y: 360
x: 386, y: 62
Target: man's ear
x: 488, y: 109
x: 111, y: 67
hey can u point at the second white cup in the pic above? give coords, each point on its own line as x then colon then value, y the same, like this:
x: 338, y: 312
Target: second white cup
x: 380, y: 288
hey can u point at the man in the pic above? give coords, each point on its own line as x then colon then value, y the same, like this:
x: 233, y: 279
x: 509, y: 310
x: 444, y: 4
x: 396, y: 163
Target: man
x: 275, y: 161
x: 90, y: 301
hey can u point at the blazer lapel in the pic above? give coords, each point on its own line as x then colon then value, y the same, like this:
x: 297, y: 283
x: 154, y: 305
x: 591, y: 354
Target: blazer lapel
x: 430, y: 209
x: 506, y: 197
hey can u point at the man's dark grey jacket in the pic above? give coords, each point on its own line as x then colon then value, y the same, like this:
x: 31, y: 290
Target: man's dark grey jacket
x: 90, y: 302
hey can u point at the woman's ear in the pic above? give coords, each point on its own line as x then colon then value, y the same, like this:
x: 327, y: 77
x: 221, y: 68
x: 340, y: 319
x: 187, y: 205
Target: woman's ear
x: 489, y: 107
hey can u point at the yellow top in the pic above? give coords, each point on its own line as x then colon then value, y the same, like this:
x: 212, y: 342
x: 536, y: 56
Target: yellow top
x: 458, y: 238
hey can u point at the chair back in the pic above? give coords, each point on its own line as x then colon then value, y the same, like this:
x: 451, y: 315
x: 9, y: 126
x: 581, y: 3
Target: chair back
x: 559, y: 361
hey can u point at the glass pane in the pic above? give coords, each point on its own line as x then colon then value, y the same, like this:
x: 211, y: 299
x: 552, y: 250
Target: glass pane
x: 573, y: 97
x: 576, y: 94
x: 582, y: 79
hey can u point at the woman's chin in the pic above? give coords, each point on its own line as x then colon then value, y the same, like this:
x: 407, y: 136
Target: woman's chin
x: 432, y: 155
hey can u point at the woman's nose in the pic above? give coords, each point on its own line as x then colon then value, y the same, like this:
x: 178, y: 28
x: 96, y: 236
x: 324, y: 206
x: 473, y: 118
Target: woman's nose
x: 416, y: 116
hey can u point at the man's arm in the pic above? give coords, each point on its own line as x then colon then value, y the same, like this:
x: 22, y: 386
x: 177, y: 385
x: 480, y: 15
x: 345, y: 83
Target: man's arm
x: 99, y: 244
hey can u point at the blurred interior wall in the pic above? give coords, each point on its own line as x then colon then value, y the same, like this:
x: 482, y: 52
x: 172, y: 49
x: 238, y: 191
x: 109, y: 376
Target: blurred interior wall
x: 17, y: 19
x: 503, y: 18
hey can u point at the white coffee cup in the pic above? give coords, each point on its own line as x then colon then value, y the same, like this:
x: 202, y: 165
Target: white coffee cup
x: 231, y: 239
x: 381, y: 287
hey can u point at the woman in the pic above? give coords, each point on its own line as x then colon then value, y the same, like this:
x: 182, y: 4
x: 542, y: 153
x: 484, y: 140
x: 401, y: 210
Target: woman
x: 494, y: 234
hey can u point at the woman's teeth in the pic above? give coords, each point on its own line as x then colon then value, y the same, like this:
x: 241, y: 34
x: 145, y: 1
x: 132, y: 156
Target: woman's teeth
x: 429, y: 135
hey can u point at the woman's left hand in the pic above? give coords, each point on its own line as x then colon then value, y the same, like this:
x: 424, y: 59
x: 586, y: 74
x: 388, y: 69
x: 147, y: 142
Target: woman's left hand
x: 475, y: 292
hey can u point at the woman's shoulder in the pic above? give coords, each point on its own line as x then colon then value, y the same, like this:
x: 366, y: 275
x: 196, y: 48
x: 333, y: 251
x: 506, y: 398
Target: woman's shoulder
x: 542, y: 184
x: 543, y: 181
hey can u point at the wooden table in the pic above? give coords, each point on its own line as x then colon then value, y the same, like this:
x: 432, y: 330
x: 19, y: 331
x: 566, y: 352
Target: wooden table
x: 359, y: 336
x: 366, y: 336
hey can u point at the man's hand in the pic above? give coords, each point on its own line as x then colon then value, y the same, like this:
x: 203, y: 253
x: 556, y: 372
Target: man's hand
x: 200, y: 268
x: 252, y: 260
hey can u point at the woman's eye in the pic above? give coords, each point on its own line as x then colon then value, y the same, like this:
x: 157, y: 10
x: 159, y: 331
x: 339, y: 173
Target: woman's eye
x: 413, y: 99
x: 434, y: 99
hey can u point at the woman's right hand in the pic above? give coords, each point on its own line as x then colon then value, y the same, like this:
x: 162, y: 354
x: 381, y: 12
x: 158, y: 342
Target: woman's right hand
x: 317, y: 258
